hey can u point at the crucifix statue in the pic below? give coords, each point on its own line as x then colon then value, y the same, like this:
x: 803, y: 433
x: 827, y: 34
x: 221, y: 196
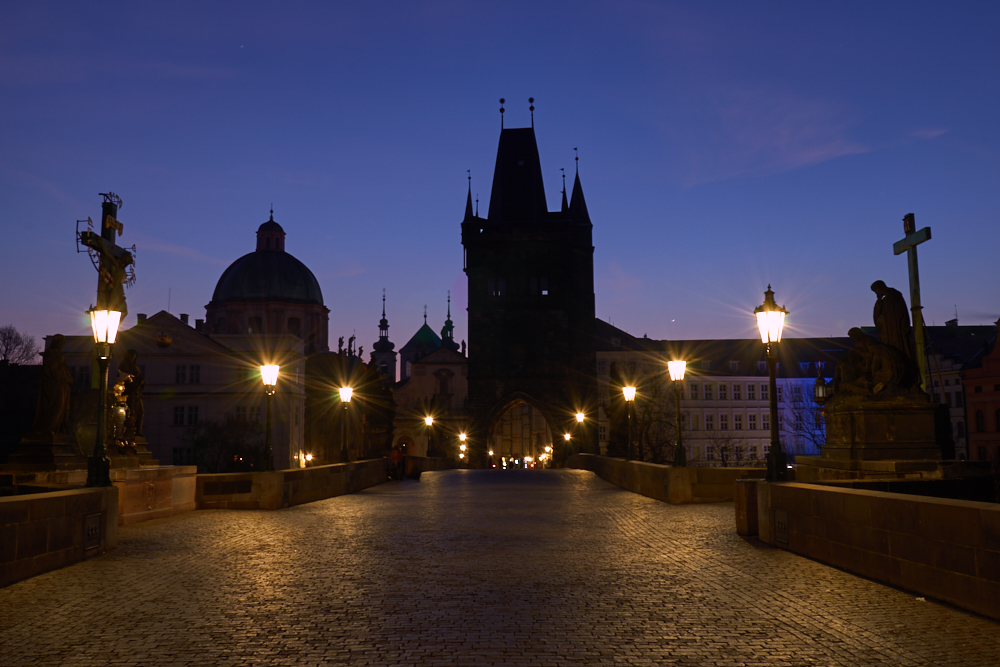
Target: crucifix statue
x: 908, y: 244
x: 113, y: 262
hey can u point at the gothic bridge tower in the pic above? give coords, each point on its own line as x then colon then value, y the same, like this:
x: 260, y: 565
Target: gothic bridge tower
x: 531, y: 301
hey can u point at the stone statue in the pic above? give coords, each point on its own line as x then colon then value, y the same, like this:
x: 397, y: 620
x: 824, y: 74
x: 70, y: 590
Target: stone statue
x: 892, y: 319
x: 340, y: 345
x: 53, y: 394
x: 873, y: 368
x: 133, y: 386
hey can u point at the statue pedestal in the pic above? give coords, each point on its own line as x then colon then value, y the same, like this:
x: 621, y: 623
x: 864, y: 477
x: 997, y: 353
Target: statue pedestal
x: 43, y: 452
x: 129, y: 459
x: 872, y: 438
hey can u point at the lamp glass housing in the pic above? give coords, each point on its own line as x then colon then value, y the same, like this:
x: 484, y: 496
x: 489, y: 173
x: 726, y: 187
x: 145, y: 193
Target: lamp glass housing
x: 462, y: 437
x: 567, y: 436
x: 346, y: 393
x: 269, y: 374
x: 104, y: 324
x: 629, y: 393
x: 770, y: 318
x: 676, y: 369
x: 429, y: 421
x: 580, y: 417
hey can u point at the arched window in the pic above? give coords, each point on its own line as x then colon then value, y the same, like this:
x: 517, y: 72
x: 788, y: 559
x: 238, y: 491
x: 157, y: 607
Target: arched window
x: 980, y: 422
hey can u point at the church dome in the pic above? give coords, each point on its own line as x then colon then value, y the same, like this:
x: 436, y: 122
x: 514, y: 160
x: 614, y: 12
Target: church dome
x: 268, y: 274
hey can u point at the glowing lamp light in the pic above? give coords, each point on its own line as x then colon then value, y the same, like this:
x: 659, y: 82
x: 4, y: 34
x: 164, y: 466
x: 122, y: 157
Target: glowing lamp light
x: 491, y: 452
x: 429, y: 421
x: 676, y: 369
x: 462, y: 436
x: 770, y: 318
x: 346, y: 393
x: 547, y: 448
x: 629, y: 393
x: 269, y: 374
x: 567, y: 436
x: 309, y: 457
x: 462, y: 447
x: 104, y: 324
x: 580, y: 417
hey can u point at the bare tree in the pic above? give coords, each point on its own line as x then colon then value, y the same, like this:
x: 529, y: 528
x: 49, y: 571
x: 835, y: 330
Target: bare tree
x: 725, y: 449
x: 17, y: 348
x: 802, y: 419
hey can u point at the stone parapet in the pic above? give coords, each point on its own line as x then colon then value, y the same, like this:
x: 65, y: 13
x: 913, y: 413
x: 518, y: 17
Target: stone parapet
x: 945, y: 549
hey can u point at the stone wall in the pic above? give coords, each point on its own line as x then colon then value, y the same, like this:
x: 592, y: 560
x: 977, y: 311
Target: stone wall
x: 45, y: 531
x: 154, y: 493
x: 286, y: 488
x: 942, y: 548
x: 667, y: 483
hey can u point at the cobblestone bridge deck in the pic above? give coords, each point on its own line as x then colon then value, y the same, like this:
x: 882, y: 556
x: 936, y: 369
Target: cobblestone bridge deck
x: 472, y: 568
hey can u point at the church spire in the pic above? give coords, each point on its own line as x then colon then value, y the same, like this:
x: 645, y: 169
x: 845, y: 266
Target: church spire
x: 448, y: 331
x: 565, y: 206
x: 383, y: 344
x: 577, y: 204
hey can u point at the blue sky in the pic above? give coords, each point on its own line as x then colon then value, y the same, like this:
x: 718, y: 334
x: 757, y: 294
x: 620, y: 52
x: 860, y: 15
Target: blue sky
x: 723, y: 146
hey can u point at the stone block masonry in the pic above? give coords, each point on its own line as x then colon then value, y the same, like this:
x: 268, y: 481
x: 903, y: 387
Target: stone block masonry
x: 46, y: 531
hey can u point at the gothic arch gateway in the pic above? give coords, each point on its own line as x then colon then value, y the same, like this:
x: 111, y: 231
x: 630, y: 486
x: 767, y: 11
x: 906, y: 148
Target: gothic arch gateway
x: 531, y: 300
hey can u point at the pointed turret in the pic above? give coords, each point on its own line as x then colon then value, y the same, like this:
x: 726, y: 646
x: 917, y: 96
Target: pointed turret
x: 577, y: 204
x: 383, y: 355
x: 469, y: 215
x: 565, y: 206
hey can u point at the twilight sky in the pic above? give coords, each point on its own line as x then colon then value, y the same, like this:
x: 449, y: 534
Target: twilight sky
x: 722, y: 146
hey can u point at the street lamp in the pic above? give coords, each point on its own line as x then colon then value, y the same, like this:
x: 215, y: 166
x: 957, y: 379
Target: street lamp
x: 345, y: 397
x: 770, y: 321
x: 269, y: 374
x: 629, y: 393
x: 429, y: 421
x: 104, y: 324
x: 580, y: 417
x: 677, y: 369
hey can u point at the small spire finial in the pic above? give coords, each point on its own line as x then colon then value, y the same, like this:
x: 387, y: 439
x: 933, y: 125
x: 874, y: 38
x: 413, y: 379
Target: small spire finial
x: 383, y: 303
x: 502, y: 100
x: 469, y: 172
x: 272, y: 212
x: 449, y: 304
x: 425, y: 313
x: 531, y: 101
x: 577, y: 160
x: 563, y: 170
x: 477, y: 204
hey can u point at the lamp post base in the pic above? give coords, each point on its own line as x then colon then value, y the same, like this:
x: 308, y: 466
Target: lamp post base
x: 98, y: 471
x: 777, y: 466
x: 680, y: 457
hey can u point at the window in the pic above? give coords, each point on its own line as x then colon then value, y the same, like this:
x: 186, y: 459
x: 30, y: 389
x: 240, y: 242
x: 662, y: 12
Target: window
x: 763, y: 392
x: 804, y: 366
x: 977, y: 390
x: 602, y: 367
x: 980, y: 422
x: 737, y: 392
x: 751, y: 392
x: 192, y: 415
x: 707, y: 364
x: 738, y: 422
x: 734, y: 367
x: 765, y: 422
x: 761, y: 366
x: 708, y: 392
x: 603, y: 433
x: 722, y: 392
x: 194, y: 375
x: 709, y: 422
x: 178, y: 416
x: 779, y: 393
x: 797, y: 392
x: 724, y: 422
x: 545, y: 286
x: 799, y: 422
x: 752, y: 422
x: 255, y: 415
x: 180, y: 374
x: 241, y: 412
x: 958, y: 398
x: 693, y: 386
x: 602, y: 398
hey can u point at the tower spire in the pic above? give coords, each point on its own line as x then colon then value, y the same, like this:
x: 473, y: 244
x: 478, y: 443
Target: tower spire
x: 468, y: 199
x: 448, y: 331
x: 565, y: 205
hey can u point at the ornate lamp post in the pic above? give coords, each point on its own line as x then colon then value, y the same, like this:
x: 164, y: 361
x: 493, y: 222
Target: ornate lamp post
x: 429, y: 421
x: 676, y: 369
x: 770, y: 321
x: 269, y: 375
x: 104, y: 324
x: 629, y: 393
x: 345, y: 397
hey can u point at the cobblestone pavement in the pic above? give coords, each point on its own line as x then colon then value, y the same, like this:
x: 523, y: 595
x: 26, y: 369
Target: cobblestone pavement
x: 472, y: 568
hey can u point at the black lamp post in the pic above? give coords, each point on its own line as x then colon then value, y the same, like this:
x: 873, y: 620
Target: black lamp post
x: 676, y: 369
x: 431, y: 448
x: 629, y: 393
x: 104, y: 324
x: 345, y: 397
x: 269, y: 375
x: 770, y: 321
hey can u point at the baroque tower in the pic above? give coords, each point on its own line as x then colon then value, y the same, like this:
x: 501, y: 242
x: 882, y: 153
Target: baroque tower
x: 531, y: 299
